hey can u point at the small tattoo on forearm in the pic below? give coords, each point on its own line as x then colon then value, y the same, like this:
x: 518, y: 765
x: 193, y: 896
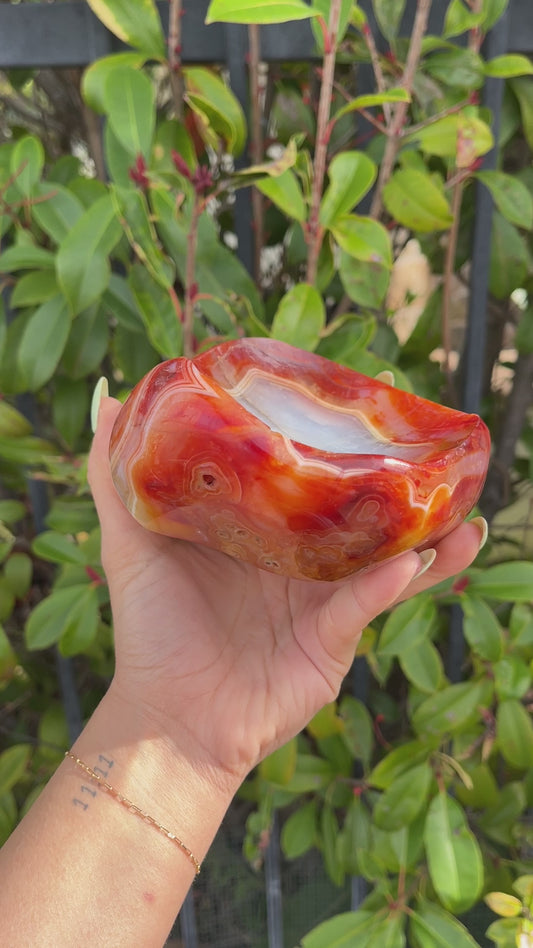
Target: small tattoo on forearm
x: 92, y: 791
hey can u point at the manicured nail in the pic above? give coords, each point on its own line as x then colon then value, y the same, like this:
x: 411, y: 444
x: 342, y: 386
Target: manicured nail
x: 101, y: 390
x: 484, y: 527
x: 385, y: 376
x: 427, y: 557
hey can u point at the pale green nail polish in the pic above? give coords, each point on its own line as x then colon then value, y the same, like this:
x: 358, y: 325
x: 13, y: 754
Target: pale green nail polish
x: 482, y: 525
x: 385, y: 376
x: 101, y: 390
x: 427, y: 557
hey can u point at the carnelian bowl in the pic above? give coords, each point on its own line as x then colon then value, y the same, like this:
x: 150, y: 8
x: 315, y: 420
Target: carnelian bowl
x: 290, y: 462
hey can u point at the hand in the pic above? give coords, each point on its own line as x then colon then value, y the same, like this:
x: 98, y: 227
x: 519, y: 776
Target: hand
x: 230, y: 660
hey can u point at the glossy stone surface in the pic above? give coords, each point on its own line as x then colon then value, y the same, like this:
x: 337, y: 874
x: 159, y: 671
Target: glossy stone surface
x: 289, y: 461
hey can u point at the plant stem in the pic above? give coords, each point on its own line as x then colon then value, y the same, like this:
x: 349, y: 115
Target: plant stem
x: 400, y: 111
x: 376, y: 67
x: 174, y: 55
x: 190, y: 293
x: 256, y: 145
x: 449, y: 268
x: 314, y: 230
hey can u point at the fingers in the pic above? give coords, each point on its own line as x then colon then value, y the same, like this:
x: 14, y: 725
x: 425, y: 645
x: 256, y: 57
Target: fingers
x: 455, y: 553
x: 359, y: 600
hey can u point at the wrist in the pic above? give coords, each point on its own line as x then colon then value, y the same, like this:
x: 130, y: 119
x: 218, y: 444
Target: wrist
x: 157, y: 772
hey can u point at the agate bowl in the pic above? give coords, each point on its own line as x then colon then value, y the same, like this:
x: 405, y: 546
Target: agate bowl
x: 293, y: 463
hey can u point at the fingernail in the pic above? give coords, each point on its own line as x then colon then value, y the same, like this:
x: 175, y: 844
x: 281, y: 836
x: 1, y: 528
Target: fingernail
x: 101, y: 390
x: 385, y: 376
x: 427, y: 557
x: 484, y: 527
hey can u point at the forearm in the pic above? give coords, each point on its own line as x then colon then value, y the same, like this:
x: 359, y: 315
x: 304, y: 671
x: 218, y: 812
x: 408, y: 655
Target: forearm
x: 81, y: 866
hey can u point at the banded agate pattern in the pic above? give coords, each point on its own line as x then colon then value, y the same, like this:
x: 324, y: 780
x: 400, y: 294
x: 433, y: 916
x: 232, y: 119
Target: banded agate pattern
x: 286, y: 460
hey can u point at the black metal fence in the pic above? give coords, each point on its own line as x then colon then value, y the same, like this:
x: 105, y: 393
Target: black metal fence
x: 68, y: 34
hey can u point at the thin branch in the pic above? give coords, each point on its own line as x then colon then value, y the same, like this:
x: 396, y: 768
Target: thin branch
x: 449, y: 268
x: 256, y: 146
x: 400, y: 112
x: 315, y: 233
x: 190, y: 285
x: 376, y: 66
x: 420, y: 126
x: 174, y: 55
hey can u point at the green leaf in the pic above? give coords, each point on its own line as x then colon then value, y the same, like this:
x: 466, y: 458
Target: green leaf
x: 404, y: 798
x: 397, y: 762
x: 482, y: 630
x: 351, y: 174
x: 300, y: 317
x: 34, y: 288
x: 8, y: 658
x: 389, y: 16
x: 363, y: 238
x: 43, y: 342
x: 414, y: 199
x: 285, y: 192
x: 453, y: 709
x: 373, y: 99
x: 57, y: 548
x: 389, y: 932
x: 454, y: 857
x: 433, y: 927
x: 358, y: 733
x: 134, y: 215
x: 523, y: 90
x: 512, y: 677
x: 299, y: 830
x: 457, y: 68
x: 509, y: 66
x: 507, y: 582
x: 329, y: 830
x: 509, y: 261
x: 134, y: 357
x: 208, y: 94
x: 11, y: 511
x: 341, y: 931
x: 460, y: 19
x: 136, y: 24
x: 18, y: 573
x: 120, y: 303
x: 95, y: 77
x: 257, y: 11
x: 422, y: 666
x: 12, y: 423
x: 463, y: 136
x: 57, y: 210
x: 408, y: 624
x: 511, y: 196
x: 70, y: 405
x: 87, y: 343
x: 70, y: 615
x: 279, y: 767
x: 72, y: 514
x: 82, y: 265
x: 25, y: 451
x: 514, y: 734
x: 349, y: 334
x: 26, y: 257
x: 501, y: 903
x: 365, y: 282
x: 27, y: 161
x: 129, y: 101
x: 13, y: 764
x: 157, y: 310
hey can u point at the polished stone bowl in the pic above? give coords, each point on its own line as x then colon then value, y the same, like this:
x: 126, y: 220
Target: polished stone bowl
x: 293, y: 463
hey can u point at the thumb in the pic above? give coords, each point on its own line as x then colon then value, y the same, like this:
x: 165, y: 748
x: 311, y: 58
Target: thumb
x: 119, y: 529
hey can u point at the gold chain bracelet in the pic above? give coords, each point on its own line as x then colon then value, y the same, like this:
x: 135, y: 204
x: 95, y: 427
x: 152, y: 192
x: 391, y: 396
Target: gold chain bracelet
x: 134, y: 809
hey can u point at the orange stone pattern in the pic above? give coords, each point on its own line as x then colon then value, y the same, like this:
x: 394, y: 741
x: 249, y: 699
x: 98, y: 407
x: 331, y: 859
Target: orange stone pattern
x: 293, y: 463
